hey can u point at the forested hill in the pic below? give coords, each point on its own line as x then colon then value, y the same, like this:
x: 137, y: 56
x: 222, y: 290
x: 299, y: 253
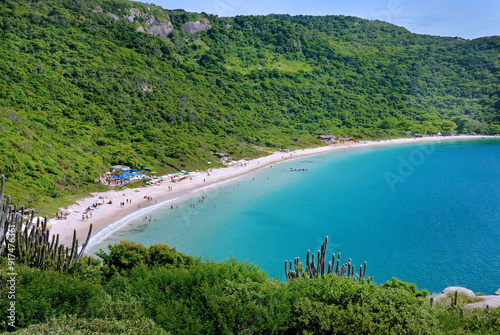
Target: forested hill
x: 87, y: 84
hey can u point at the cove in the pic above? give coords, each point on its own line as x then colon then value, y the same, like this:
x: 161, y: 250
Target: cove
x: 426, y: 214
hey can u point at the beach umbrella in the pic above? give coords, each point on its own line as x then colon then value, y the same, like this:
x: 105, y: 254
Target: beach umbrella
x: 145, y: 168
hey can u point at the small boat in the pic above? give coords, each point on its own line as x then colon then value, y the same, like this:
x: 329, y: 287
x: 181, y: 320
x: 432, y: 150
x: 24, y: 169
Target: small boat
x: 294, y: 169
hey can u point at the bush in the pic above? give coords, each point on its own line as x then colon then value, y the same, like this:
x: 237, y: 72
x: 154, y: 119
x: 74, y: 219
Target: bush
x: 412, y: 288
x: 162, y: 290
x: 337, y: 305
x: 124, y: 256
x: 43, y: 294
x: 182, y: 300
x: 71, y: 325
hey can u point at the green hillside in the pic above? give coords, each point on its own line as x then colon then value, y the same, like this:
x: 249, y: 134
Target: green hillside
x: 87, y: 84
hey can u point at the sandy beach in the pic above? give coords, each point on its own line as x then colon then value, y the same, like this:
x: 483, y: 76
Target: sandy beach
x: 136, y: 199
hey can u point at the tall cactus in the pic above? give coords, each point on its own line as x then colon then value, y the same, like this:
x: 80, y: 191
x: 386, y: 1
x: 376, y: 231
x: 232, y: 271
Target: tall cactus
x: 317, y: 269
x: 32, y: 241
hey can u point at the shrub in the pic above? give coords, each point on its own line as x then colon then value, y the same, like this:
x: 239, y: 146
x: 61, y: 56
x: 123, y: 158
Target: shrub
x: 71, y: 325
x: 43, y: 294
x: 412, y: 288
x: 337, y: 305
x: 124, y: 256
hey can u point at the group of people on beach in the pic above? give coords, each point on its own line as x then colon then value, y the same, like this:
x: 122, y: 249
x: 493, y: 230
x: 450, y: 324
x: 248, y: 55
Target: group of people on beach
x: 63, y: 215
x: 87, y: 216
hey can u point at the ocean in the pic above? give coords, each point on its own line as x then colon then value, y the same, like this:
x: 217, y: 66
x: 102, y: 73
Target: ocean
x: 426, y: 213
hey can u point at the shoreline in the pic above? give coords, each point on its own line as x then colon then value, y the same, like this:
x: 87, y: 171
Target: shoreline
x: 109, y: 218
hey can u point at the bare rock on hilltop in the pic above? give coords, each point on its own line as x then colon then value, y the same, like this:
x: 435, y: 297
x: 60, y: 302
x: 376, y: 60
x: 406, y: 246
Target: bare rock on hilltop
x: 134, y: 12
x: 161, y: 29
x: 193, y: 27
x: 152, y: 25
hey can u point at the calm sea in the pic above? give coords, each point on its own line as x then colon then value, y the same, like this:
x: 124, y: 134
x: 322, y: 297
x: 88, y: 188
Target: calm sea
x: 427, y: 214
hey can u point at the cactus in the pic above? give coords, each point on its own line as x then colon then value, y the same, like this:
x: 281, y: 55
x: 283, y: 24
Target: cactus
x: 32, y: 242
x: 455, y: 299
x: 315, y: 266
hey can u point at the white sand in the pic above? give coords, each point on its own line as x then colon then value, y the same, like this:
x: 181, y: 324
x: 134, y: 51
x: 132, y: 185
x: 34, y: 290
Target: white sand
x: 109, y: 213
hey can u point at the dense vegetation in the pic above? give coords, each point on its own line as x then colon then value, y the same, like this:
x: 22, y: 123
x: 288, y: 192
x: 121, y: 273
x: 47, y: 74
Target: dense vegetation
x: 157, y: 290
x: 82, y: 89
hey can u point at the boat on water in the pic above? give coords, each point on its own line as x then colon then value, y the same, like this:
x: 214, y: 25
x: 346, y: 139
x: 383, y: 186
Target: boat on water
x: 294, y: 169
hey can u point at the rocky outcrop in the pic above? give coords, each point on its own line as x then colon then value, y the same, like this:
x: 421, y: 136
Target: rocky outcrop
x: 487, y: 300
x: 160, y: 29
x: 195, y: 27
x: 146, y: 88
x: 452, y: 289
x: 113, y: 16
x: 134, y: 12
x: 152, y: 25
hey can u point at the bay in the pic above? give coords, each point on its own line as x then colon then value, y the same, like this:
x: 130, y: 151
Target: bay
x: 427, y: 214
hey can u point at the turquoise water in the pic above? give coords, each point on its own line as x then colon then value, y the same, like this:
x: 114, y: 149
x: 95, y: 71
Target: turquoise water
x: 427, y: 214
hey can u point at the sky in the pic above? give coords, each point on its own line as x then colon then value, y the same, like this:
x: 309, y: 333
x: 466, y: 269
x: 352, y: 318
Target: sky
x: 467, y: 19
